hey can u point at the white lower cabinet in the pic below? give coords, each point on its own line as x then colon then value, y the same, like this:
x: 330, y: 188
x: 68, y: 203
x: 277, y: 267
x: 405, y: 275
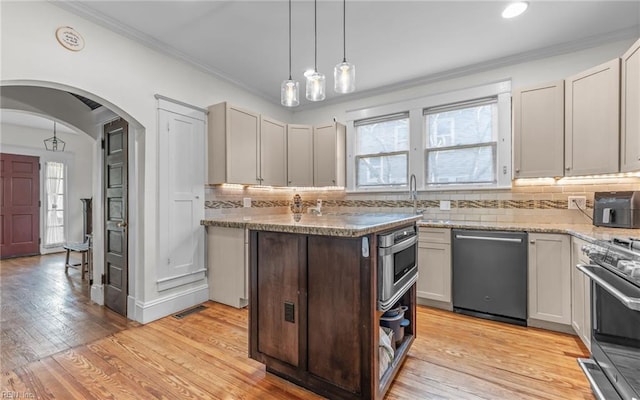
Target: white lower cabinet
x: 434, y: 266
x: 549, y: 279
x: 227, y: 255
x: 580, y: 294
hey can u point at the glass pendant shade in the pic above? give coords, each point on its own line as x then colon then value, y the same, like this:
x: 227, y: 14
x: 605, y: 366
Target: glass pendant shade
x: 316, y: 87
x: 290, y: 93
x: 344, y: 77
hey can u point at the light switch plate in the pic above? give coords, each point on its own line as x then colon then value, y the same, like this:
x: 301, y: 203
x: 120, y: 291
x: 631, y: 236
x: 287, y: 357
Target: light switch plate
x: 573, y: 202
x: 246, y: 202
x: 445, y: 205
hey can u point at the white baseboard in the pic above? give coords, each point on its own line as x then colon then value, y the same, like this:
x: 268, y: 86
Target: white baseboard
x: 146, y: 312
x: 97, y: 294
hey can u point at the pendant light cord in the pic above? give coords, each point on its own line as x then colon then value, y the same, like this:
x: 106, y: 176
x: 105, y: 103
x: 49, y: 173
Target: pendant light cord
x: 289, y: 39
x: 344, y: 30
x: 315, y: 32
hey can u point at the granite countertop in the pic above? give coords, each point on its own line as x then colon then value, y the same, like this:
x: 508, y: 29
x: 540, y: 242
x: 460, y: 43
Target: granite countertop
x: 345, y: 225
x: 583, y: 231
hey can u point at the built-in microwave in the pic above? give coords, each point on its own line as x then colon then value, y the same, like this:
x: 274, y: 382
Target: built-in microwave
x: 397, y: 265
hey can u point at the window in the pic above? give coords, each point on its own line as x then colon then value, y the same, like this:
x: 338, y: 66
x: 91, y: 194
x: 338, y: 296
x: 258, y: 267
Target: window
x: 382, y: 150
x: 461, y: 142
x: 54, y: 207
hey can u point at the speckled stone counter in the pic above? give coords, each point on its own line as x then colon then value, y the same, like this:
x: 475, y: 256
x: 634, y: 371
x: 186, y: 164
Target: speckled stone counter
x: 583, y: 231
x: 344, y: 225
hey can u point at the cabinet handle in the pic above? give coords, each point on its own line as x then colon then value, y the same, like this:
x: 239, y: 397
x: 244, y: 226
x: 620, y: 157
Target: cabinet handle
x: 568, y: 168
x: 334, y: 181
x: 532, y: 241
x: 289, y: 182
x: 517, y: 170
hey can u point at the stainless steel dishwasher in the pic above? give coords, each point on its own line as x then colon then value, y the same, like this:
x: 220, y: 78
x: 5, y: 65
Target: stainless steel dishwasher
x: 490, y: 274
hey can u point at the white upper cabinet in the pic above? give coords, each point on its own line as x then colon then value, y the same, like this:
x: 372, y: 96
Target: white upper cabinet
x: 592, y: 120
x: 539, y: 130
x: 299, y: 155
x: 233, y: 145
x: 273, y: 152
x: 329, y: 150
x: 630, y: 110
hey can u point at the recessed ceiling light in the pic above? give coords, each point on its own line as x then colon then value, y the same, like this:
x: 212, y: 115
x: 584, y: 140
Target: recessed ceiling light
x: 515, y: 9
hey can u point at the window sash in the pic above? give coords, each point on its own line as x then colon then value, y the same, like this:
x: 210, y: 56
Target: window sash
x: 494, y: 150
x: 358, y: 158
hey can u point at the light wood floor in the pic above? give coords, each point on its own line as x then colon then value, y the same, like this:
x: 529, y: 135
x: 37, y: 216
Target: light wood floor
x: 44, y: 311
x: 204, y: 356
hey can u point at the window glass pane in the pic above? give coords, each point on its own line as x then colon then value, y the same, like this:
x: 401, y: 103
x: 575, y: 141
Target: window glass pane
x: 463, y: 126
x: 382, y: 170
x: 466, y: 165
x: 54, y: 215
x: 383, y: 137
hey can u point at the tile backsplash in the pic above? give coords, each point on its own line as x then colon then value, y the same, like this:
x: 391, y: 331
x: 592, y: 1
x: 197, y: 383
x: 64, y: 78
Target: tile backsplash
x: 539, y: 200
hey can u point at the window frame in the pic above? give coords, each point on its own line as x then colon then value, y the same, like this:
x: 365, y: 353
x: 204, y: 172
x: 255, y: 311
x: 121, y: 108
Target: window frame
x: 471, y: 103
x: 65, y: 194
x: 417, y: 137
x: 396, y: 116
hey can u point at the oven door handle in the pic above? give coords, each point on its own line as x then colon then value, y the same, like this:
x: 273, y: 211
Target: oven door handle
x: 398, y: 247
x: 632, y: 303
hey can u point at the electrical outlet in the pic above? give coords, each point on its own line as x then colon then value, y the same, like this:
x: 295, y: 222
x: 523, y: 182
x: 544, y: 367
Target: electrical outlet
x: 445, y: 205
x: 246, y: 202
x: 575, y: 202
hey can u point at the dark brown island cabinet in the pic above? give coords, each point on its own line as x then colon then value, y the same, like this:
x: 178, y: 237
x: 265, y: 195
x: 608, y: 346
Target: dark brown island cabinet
x: 313, y: 317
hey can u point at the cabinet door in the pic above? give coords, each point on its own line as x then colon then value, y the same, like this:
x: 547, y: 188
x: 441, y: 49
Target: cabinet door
x: 550, y: 278
x: 299, y: 155
x: 592, y: 125
x: 226, y: 254
x: 434, y: 268
x: 242, y: 134
x: 329, y: 155
x: 629, y: 115
x: 334, y: 349
x: 281, y: 259
x: 539, y: 130
x: 273, y: 156
x: 577, y: 288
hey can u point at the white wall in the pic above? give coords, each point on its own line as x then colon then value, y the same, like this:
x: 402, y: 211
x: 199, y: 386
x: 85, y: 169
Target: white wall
x: 521, y: 74
x: 78, y: 156
x: 124, y: 76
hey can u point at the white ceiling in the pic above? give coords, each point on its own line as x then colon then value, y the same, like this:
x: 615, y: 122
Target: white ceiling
x: 392, y: 43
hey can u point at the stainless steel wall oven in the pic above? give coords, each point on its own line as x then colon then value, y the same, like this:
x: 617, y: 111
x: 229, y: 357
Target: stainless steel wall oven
x: 614, y: 367
x: 397, y: 265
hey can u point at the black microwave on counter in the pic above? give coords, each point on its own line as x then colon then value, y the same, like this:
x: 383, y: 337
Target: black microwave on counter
x: 617, y: 209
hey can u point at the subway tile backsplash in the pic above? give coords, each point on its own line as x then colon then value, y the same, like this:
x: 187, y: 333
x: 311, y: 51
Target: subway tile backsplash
x: 526, y: 201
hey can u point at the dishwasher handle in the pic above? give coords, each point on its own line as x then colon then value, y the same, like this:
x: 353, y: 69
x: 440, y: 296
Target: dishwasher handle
x: 489, y: 238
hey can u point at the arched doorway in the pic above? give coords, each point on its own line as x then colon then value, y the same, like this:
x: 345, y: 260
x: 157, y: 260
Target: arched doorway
x: 56, y: 101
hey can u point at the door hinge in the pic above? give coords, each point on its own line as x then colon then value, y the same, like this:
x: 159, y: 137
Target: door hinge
x: 39, y: 203
x: 39, y: 240
x: 39, y: 167
x: 102, y: 144
x: 168, y: 127
x: 103, y: 279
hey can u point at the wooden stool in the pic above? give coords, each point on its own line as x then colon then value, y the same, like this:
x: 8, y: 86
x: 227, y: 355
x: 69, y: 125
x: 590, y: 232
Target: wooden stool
x: 81, y: 248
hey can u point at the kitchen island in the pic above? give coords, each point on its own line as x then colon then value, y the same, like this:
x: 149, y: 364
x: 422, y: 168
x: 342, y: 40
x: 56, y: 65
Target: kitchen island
x: 313, y: 316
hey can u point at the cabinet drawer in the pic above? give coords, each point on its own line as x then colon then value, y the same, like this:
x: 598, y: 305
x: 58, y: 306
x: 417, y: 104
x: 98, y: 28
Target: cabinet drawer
x: 434, y: 235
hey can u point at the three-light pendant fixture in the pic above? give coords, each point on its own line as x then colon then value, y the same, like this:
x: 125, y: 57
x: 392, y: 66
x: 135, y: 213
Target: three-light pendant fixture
x: 344, y: 73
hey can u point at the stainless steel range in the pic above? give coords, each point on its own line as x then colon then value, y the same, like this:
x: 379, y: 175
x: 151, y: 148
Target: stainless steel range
x: 614, y: 367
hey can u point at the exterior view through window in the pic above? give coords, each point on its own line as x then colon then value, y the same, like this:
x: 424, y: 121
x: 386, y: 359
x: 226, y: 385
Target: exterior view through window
x: 461, y: 142
x: 54, y: 199
x: 382, y: 150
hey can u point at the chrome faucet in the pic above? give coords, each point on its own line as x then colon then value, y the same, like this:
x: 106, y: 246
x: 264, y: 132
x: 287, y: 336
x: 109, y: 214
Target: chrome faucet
x: 413, y: 193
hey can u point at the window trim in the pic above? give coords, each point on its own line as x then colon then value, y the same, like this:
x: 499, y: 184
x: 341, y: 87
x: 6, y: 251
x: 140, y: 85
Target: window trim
x: 65, y: 201
x: 417, y: 137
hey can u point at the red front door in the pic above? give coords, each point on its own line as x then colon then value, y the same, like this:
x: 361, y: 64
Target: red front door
x: 19, y: 205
